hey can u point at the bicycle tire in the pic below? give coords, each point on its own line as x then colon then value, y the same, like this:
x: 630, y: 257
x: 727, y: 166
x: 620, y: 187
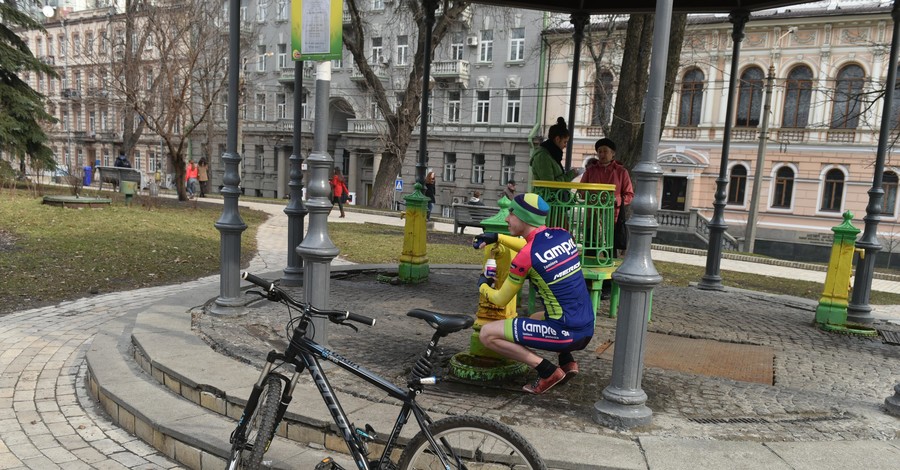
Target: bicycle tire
x: 260, y: 429
x: 477, y: 441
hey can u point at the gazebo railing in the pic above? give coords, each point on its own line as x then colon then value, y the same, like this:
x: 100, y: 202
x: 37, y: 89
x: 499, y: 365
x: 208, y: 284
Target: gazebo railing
x: 587, y: 211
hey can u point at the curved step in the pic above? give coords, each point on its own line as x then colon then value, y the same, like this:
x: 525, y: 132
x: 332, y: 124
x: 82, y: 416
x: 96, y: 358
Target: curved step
x: 189, y: 434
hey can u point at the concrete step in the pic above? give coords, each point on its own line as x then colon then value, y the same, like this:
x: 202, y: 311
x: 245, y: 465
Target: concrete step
x: 185, y: 432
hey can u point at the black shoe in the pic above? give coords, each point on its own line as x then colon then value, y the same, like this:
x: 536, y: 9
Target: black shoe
x: 604, y: 295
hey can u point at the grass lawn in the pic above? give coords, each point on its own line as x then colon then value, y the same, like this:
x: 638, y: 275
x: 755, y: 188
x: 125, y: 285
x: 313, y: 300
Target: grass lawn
x: 49, y: 254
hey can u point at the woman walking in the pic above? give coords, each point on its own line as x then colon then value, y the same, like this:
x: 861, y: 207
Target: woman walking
x: 339, y: 192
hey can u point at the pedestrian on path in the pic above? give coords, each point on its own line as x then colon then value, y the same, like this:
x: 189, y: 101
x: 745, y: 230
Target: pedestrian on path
x: 429, y: 193
x: 549, y: 258
x: 190, y: 177
x: 203, y: 176
x: 339, y: 191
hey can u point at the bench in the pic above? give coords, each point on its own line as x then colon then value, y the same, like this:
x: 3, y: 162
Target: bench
x: 466, y: 215
x: 114, y: 175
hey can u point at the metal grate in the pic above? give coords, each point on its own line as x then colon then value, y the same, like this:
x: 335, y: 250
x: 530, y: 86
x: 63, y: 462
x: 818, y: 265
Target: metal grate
x: 749, y: 420
x: 890, y: 337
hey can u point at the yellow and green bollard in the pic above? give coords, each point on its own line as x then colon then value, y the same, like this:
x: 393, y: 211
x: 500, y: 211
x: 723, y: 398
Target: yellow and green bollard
x: 480, y: 363
x: 831, y: 314
x: 414, y: 267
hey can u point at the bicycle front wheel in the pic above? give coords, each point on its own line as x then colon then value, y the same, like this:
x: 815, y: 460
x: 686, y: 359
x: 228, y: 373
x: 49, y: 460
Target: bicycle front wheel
x: 468, y: 442
x: 247, y: 451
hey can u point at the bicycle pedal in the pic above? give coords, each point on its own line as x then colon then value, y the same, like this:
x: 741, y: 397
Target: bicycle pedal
x: 328, y: 464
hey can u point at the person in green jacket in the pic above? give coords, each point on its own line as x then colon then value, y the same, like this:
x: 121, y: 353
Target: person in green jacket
x: 546, y: 161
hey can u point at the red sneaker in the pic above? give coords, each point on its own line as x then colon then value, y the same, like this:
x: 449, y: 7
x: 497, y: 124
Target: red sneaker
x: 571, y: 369
x: 540, y: 385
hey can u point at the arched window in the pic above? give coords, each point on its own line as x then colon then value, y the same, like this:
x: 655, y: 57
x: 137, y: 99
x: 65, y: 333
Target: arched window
x: 890, y: 184
x: 847, y: 97
x: 797, y: 95
x: 833, y: 192
x: 691, y: 98
x: 895, y: 105
x: 737, y: 185
x: 750, y: 97
x: 601, y: 111
x: 784, y: 188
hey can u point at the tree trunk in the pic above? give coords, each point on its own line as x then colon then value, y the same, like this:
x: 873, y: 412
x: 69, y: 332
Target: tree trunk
x: 627, y: 127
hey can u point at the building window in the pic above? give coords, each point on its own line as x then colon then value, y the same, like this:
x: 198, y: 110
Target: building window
x: 508, y: 168
x: 281, y: 104
x: 847, y: 97
x: 486, y: 47
x: 283, y: 11
x: 89, y: 42
x: 482, y: 107
x: 378, y: 4
x: 513, y: 106
x: 750, y: 97
x: 456, y: 46
x: 261, y: 11
x: 477, y: 168
x: 65, y: 120
x: 784, y: 188
x: 517, y: 45
x: 76, y: 44
x: 304, y: 98
x: 691, y: 98
x: 833, y: 192
x: 797, y: 96
x: 261, y: 58
x: 377, y: 51
x: 454, y: 104
x: 50, y: 45
x: 138, y: 160
x: 402, y: 50
x: 258, y: 158
x: 737, y: 185
x: 261, y: 106
x: 890, y: 183
x: 449, y: 167
x: 106, y: 161
x: 282, y: 57
x: 63, y: 49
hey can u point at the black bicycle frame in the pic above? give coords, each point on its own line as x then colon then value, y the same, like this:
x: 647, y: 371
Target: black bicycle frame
x: 309, y: 353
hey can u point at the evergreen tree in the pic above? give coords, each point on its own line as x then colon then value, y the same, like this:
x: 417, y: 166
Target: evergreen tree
x: 21, y: 107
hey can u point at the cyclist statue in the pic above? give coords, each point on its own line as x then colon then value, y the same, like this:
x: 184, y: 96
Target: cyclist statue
x: 549, y: 257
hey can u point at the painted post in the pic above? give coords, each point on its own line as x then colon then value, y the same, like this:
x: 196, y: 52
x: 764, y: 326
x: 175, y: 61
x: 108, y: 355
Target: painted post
x: 414, y: 267
x: 831, y: 314
x: 480, y: 363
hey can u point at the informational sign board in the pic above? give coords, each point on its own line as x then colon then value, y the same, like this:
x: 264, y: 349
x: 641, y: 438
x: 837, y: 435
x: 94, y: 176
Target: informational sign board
x: 316, y: 29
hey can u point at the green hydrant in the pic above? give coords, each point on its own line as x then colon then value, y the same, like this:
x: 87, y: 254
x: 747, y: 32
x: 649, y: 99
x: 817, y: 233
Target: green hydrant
x: 831, y: 314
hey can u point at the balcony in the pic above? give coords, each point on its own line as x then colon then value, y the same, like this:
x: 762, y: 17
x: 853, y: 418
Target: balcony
x: 347, y: 18
x: 745, y: 134
x: 357, y: 76
x: 792, y: 136
x: 842, y: 136
x: 48, y: 59
x: 71, y: 93
x: 365, y: 126
x: 286, y: 75
x: 454, y: 70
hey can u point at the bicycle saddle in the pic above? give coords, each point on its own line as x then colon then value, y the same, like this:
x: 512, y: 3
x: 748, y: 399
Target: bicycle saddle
x: 444, y: 323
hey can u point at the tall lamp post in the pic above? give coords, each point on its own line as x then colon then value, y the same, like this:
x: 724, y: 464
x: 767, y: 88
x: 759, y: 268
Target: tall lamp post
x: 750, y: 230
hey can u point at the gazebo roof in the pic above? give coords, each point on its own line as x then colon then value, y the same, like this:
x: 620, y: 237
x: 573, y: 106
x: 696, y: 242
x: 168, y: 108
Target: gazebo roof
x: 598, y: 7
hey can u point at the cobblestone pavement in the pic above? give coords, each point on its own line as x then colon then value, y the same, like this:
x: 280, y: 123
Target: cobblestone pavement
x: 826, y: 386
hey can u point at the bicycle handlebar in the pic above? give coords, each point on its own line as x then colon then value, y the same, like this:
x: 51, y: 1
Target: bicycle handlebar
x: 336, y: 316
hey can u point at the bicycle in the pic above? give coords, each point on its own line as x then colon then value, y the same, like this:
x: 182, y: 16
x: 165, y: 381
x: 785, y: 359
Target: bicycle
x: 456, y: 442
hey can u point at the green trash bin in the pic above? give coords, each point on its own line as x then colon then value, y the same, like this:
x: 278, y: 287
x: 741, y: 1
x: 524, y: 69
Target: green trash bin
x: 128, y: 188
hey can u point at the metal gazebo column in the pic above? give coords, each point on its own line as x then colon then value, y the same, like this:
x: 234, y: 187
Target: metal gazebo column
x: 230, y: 224
x: 859, y: 311
x: 623, y: 404
x: 295, y: 210
x: 712, y: 280
x: 579, y: 21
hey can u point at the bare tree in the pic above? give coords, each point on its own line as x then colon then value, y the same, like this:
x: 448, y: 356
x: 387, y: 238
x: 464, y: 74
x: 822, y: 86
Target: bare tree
x: 399, y: 122
x: 170, y: 75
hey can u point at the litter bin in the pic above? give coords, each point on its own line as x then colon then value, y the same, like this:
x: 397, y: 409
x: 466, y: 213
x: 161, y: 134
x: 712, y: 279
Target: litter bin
x: 352, y: 199
x: 128, y: 188
x: 88, y: 175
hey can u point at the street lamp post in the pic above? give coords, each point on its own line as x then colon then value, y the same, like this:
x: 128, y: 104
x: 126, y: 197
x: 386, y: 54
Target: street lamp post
x: 750, y: 230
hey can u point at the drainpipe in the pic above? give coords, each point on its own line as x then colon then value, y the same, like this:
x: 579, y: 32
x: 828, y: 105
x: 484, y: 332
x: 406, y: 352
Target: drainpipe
x: 542, y: 80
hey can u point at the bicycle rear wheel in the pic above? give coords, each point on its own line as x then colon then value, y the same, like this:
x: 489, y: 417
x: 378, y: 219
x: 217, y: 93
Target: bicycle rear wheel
x: 247, y: 451
x: 469, y: 442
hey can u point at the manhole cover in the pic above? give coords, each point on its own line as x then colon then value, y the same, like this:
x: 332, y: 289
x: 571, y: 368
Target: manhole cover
x: 890, y: 337
x: 742, y: 362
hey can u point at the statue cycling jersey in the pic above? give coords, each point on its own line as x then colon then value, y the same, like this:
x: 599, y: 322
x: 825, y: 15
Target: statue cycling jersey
x: 552, y: 261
